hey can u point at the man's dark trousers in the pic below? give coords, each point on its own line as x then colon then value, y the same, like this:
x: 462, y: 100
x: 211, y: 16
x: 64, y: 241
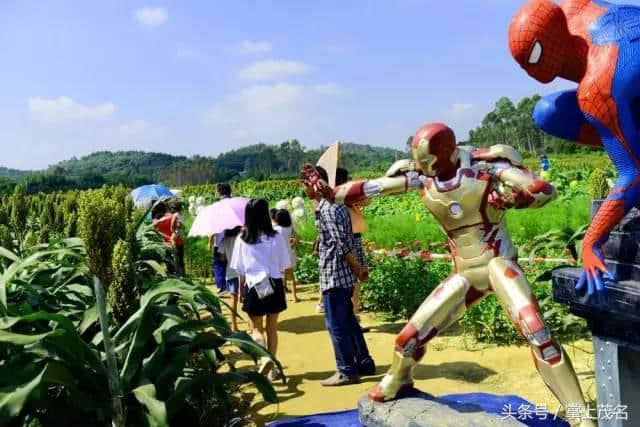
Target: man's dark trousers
x: 352, y: 354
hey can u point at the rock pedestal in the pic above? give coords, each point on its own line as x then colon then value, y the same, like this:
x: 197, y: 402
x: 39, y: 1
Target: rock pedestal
x: 419, y: 409
x: 614, y: 319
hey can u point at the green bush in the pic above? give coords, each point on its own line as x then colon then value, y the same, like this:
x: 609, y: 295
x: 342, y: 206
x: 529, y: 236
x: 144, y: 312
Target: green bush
x: 598, y: 185
x: 397, y: 287
x: 307, y: 270
x: 123, y: 293
x: 101, y: 225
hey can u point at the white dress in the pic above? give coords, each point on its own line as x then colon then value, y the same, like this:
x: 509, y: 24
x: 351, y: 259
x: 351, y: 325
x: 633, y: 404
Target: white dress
x: 268, y: 257
x: 287, y: 232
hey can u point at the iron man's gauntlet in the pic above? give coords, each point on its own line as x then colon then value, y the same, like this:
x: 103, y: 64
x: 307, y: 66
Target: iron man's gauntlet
x: 402, y: 181
x: 519, y: 188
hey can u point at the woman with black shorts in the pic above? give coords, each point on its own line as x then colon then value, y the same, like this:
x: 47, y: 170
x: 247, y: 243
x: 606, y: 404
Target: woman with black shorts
x: 260, y: 256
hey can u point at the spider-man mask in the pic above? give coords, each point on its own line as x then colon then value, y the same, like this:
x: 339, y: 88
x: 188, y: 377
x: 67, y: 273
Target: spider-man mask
x: 539, y: 39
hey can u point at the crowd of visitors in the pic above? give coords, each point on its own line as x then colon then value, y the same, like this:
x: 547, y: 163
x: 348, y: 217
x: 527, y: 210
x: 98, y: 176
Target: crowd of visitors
x: 255, y: 265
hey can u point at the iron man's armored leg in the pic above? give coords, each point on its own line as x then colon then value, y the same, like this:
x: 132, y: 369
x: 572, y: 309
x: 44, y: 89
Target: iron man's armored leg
x: 446, y: 304
x: 512, y: 290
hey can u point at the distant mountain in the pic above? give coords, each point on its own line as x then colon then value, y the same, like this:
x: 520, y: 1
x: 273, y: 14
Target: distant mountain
x: 134, y: 168
x: 106, y: 163
x: 13, y: 173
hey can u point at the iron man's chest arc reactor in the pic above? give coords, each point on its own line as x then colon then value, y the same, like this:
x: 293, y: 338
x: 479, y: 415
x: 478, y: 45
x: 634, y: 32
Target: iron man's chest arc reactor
x: 455, y: 210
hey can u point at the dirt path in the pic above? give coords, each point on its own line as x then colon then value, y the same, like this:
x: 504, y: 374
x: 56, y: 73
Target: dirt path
x: 453, y: 364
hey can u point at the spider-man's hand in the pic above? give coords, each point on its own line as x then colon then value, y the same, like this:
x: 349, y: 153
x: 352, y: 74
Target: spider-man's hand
x: 592, y: 275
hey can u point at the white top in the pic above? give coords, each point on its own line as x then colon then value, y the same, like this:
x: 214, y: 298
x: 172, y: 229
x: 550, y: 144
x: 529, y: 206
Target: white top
x: 287, y: 232
x: 226, y: 248
x: 270, y: 257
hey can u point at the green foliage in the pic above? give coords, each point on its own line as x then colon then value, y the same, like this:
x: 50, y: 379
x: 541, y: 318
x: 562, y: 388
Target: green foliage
x: 307, y: 270
x: 598, y: 185
x: 123, y: 293
x: 513, y: 125
x: 398, y: 286
x: 19, y: 211
x: 53, y: 370
x: 101, y: 225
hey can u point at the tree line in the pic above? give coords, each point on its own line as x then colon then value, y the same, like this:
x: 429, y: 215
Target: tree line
x: 508, y: 123
x: 512, y: 124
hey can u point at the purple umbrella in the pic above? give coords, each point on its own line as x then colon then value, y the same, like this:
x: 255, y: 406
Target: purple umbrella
x: 223, y: 215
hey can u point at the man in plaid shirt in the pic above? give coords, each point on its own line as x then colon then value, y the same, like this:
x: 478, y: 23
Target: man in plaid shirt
x: 339, y: 271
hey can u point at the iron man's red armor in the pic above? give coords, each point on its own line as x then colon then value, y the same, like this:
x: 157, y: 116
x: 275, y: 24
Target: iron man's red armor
x: 470, y: 209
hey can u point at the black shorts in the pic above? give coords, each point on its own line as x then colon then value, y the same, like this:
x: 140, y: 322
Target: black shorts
x: 274, y: 303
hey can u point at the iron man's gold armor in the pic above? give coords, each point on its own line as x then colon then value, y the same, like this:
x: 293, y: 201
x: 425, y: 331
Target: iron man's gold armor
x: 470, y: 209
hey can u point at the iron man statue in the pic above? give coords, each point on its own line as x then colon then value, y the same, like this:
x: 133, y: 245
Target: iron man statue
x: 468, y: 192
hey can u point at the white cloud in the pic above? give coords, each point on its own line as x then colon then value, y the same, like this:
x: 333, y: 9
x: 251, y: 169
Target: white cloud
x: 63, y: 108
x: 252, y: 47
x: 273, y: 69
x: 272, y: 112
x: 151, y: 17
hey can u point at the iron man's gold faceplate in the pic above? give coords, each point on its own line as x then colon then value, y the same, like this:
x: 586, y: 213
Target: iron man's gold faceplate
x: 476, y: 230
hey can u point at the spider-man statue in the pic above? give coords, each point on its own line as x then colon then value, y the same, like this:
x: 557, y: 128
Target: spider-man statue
x: 597, y: 45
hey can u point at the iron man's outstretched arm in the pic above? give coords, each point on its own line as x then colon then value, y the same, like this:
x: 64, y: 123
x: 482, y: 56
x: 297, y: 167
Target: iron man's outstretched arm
x: 519, y: 188
x: 400, y: 178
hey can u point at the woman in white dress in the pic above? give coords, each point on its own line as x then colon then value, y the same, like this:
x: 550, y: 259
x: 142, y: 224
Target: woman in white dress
x: 260, y: 256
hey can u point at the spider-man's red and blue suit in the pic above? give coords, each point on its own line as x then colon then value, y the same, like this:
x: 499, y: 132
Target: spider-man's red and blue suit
x: 597, y: 45
x: 468, y: 192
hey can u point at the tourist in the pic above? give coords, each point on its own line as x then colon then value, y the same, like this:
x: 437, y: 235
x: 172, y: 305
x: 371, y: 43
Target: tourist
x: 218, y: 266
x: 260, y: 256
x: 162, y: 222
x: 284, y: 225
x: 231, y: 279
x: 177, y: 235
x: 339, y: 271
x: 359, y: 226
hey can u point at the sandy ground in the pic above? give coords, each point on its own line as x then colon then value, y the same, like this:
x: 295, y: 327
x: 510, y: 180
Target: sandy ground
x: 453, y: 364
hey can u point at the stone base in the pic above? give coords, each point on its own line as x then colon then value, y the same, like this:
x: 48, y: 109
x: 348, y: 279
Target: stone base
x: 419, y: 409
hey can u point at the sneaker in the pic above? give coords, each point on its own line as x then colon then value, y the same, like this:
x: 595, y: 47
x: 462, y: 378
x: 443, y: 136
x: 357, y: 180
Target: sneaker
x: 265, y: 366
x: 339, y: 379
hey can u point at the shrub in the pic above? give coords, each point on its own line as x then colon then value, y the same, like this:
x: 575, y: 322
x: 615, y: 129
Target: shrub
x: 307, y: 270
x: 398, y: 286
x: 101, y: 225
x: 123, y: 292
x: 598, y: 185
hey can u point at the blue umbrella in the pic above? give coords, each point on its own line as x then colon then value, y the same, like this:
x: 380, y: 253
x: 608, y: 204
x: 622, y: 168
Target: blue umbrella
x: 147, y: 194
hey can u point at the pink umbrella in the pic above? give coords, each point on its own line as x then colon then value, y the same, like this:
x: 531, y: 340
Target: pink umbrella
x: 223, y: 215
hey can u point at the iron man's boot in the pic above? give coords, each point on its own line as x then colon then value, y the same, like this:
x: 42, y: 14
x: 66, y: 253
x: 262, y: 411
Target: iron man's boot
x: 399, y: 378
x: 561, y: 379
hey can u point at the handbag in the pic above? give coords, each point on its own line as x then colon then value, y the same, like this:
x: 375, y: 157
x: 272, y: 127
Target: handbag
x: 264, y: 288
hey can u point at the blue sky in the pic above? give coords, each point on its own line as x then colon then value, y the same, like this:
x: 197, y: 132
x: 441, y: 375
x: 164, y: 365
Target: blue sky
x: 203, y: 77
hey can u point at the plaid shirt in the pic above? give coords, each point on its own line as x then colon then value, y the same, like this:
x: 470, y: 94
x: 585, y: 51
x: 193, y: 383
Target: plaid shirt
x: 336, y: 241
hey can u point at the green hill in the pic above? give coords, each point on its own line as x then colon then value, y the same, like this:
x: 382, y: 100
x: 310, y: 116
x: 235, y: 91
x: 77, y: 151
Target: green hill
x: 13, y: 173
x: 134, y: 168
x: 107, y: 163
